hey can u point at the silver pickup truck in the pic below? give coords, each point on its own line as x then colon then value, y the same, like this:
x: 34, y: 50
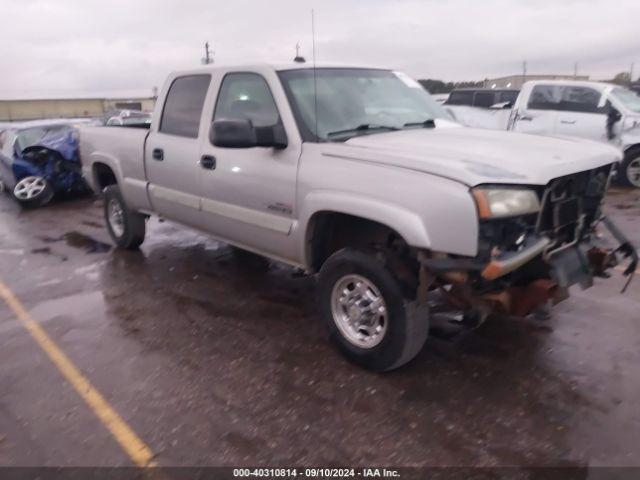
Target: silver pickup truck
x: 356, y: 174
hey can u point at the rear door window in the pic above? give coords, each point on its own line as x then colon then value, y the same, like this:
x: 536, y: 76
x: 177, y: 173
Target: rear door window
x: 460, y: 98
x: 483, y: 99
x: 509, y: 97
x: 183, y: 106
x: 580, y: 99
x: 545, y: 97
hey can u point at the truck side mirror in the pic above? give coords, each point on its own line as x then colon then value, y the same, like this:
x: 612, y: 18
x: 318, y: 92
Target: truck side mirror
x: 233, y: 133
x: 271, y: 136
x: 501, y: 106
x: 240, y: 133
x: 613, y: 117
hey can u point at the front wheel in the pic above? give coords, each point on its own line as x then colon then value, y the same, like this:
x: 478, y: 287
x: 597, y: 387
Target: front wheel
x: 33, y: 191
x: 363, y: 307
x: 630, y: 170
x: 126, y: 228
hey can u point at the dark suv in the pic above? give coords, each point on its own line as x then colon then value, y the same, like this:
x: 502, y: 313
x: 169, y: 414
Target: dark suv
x: 482, y: 97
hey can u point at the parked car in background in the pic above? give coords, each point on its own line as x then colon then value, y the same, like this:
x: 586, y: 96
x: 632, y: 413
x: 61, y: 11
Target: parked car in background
x: 357, y: 175
x: 482, y: 97
x: 590, y: 110
x: 129, y: 118
x: 39, y: 159
x: 481, y: 107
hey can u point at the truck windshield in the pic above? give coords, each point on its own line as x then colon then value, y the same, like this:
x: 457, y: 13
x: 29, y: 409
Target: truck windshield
x: 629, y: 99
x: 348, y: 100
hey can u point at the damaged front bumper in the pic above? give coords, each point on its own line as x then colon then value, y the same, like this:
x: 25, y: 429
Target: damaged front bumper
x: 572, y: 264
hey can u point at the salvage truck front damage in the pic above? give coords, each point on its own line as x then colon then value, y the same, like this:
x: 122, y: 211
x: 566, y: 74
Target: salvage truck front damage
x: 534, y: 243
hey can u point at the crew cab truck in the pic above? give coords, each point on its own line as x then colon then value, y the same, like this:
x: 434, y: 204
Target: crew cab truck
x: 358, y: 176
x: 592, y: 110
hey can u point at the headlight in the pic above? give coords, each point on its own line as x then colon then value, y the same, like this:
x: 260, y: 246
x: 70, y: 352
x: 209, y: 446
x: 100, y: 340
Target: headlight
x: 505, y: 202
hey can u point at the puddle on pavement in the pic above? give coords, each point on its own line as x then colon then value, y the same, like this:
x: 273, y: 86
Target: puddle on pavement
x: 76, y: 240
x: 80, y: 240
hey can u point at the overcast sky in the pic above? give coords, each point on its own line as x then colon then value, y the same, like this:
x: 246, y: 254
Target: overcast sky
x: 85, y: 46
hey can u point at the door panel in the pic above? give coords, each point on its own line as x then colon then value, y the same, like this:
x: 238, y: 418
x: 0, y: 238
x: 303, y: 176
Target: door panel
x: 582, y: 113
x: 541, y: 122
x: 584, y: 125
x: 249, y: 197
x: 174, y: 180
x: 172, y: 152
x: 539, y: 114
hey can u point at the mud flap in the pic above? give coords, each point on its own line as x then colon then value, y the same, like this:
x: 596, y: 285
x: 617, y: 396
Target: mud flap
x: 626, y: 248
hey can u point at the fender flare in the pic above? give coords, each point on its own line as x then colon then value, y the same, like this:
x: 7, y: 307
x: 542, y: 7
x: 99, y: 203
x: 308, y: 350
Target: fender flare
x: 108, y: 160
x: 405, y: 222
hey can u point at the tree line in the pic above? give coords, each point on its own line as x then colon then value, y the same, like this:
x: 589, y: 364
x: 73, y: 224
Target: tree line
x: 439, y: 86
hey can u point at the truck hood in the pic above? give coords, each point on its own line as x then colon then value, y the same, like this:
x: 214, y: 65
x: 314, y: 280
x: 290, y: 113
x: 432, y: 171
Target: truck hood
x: 475, y: 156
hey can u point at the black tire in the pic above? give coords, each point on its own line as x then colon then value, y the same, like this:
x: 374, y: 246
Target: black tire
x: 628, y: 171
x: 133, y: 226
x: 406, y: 329
x: 42, y: 198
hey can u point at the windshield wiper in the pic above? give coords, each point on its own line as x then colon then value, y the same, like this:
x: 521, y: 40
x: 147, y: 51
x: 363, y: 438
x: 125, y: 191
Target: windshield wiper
x: 365, y: 127
x: 428, y: 123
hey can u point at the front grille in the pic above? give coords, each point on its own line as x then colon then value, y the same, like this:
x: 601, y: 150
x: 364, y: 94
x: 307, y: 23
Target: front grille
x: 571, y: 204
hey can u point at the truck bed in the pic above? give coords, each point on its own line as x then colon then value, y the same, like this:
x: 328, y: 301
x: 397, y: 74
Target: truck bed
x: 121, y: 149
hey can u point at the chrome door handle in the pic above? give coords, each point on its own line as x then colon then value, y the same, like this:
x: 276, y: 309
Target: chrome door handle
x: 568, y: 122
x: 525, y: 118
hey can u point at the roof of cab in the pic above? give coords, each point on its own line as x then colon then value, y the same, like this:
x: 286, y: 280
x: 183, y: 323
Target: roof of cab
x: 278, y: 67
x: 575, y: 83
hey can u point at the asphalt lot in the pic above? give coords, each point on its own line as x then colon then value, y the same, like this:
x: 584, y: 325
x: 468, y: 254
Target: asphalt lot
x: 212, y: 363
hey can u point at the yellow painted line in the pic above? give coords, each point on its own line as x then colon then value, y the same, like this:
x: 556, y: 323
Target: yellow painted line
x: 137, y: 450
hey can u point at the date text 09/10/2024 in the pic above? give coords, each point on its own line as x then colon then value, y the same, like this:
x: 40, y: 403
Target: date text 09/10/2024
x: 316, y: 472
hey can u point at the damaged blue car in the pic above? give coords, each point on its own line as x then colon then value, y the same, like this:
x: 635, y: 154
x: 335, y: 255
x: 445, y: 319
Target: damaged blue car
x: 39, y: 160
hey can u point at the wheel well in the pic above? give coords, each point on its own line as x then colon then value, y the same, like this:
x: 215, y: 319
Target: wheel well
x: 632, y: 150
x: 329, y: 232
x: 103, y: 175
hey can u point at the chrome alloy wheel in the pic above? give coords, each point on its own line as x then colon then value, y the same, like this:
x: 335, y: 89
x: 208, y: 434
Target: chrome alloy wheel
x: 115, y: 216
x: 633, y: 172
x: 29, y: 188
x: 359, y: 311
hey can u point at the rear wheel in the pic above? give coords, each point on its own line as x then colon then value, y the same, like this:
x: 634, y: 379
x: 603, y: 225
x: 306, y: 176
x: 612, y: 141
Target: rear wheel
x: 630, y: 170
x: 126, y: 228
x: 33, y: 191
x: 364, y: 309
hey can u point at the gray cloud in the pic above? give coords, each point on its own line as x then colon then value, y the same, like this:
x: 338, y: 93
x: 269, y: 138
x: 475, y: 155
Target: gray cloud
x: 85, y: 46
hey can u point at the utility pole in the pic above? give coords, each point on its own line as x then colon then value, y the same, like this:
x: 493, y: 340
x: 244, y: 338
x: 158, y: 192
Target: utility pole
x: 208, y: 54
x: 524, y: 72
x: 575, y: 71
